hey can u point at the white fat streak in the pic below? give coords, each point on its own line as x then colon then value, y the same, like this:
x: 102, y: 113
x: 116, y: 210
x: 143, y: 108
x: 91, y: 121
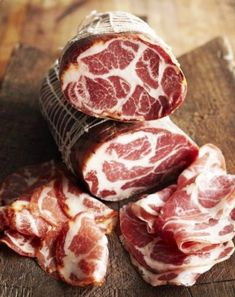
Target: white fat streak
x: 100, y: 156
x: 25, y: 216
x: 71, y: 261
x: 73, y: 73
x: 18, y: 205
x: 43, y: 195
x: 45, y: 251
x: 21, y: 242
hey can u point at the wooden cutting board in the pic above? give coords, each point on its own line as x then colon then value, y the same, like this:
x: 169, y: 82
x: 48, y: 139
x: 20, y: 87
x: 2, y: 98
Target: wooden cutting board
x: 207, y: 115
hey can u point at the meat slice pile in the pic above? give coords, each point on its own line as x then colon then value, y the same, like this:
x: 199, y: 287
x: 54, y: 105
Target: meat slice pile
x: 175, y: 235
x: 116, y: 67
x: 48, y: 217
x: 115, y: 160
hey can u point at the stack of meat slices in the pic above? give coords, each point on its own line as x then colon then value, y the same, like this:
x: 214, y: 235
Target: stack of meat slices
x: 106, y: 102
x: 48, y: 217
x: 177, y: 234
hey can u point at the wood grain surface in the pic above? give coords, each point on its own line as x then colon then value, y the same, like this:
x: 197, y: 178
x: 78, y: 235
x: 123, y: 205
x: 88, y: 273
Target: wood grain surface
x: 48, y: 24
x: 207, y: 115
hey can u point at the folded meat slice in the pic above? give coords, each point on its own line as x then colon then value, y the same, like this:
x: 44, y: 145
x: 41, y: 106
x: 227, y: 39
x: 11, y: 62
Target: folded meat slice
x: 82, y: 251
x: 116, y: 67
x: 23, y: 245
x: 20, y: 218
x: 128, y: 158
x: 148, y: 207
x: 161, y: 262
x: 210, y: 158
x: 201, y: 213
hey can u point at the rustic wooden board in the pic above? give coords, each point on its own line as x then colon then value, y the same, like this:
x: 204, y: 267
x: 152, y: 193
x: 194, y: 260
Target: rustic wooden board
x: 207, y: 115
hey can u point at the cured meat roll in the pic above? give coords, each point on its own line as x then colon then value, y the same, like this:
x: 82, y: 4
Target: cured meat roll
x: 117, y: 67
x: 115, y: 160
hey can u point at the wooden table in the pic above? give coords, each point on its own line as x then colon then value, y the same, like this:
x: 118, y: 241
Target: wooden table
x: 48, y: 24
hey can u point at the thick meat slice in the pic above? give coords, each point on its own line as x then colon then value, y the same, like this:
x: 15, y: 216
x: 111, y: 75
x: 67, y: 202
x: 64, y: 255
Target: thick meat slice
x: 22, y: 183
x: 22, y: 244
x: 82, y: 252
x: 210, y: 158
x: 128, y: 73
x: 73, y: 201
x: 128, y: 158
x: 201, y: 213
x: 22, y: 220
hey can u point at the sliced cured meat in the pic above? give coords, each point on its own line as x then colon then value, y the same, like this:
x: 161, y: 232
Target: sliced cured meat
x: 148, y: 207
x: 22, y: 183
x: 44, y: 203
x: 116, y: 67
x: 200, y: 213
x: 82, y: 252
x: 128, y: 158
x: 46, y: 252
x: 177, y: 277
x: 160, y: 262
x: 210, y: 159
x: 22, y: 220
x: 22, y: 244
x: 73, y: 201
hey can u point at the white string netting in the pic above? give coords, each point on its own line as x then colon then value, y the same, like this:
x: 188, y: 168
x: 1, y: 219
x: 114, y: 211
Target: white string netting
x: 67, y: 124
x: 114, y: 22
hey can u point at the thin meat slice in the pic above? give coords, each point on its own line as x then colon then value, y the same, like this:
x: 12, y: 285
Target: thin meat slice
x: 82, y: 252
x: 44, y: 203
x: 201, y: 213
x: 117, y: 67
x: 22, y: 183
x: 22, y: 220
x: 163, y: 263
x: 210, y: 158
x: 179, y: 277
x: 129, y: 158
x: 22, y: 244
x: 148, y: 207
x: 73, y: 201
x: 46, y: 252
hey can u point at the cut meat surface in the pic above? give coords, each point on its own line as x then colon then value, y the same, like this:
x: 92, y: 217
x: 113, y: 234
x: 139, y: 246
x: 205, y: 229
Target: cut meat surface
x: 121, y: 75
x: 22, y: 244
x: 73, y: 201
x: 129, y: 158
x: 22, y: 183
x: 82, y: 252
